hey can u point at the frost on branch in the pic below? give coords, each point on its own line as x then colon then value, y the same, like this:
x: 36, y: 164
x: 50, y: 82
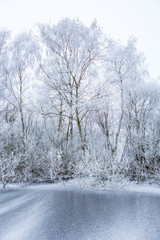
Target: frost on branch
x: 75, y: 102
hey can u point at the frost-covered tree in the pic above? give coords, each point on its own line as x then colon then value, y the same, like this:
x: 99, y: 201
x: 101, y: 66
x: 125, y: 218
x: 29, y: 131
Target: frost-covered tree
x: 142, y: 129
x: 20, y: 115
x: 72, y: 102
x: 123, y: 68
x: 18, y: 74
x: 72, y: 53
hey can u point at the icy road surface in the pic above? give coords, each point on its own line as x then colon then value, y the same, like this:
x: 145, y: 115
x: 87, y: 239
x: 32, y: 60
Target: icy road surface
x: 44, y: 213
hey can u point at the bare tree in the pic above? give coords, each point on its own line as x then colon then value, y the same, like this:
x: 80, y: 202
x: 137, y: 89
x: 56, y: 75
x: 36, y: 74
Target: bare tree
x: 72, y: 54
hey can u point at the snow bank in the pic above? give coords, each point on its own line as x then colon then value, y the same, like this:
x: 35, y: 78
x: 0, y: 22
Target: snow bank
x: 148, y: 187
x: 90, y: 183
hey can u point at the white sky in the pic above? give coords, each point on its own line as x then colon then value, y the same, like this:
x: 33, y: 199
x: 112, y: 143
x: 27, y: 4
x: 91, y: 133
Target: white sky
x: 118, y: 18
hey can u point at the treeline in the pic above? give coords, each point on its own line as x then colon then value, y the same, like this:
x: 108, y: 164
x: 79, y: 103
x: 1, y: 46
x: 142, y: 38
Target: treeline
x: 75, y: 102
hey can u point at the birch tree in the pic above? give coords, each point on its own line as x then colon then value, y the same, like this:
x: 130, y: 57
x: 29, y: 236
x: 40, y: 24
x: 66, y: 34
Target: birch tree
x: 72, y: 53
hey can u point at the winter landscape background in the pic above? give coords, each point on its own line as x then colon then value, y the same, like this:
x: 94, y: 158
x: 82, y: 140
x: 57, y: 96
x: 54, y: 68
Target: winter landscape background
x: 79, y: 120
x: 75, y: 102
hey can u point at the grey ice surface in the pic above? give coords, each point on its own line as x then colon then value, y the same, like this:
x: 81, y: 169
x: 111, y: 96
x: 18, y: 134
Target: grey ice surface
x: 31, y: 214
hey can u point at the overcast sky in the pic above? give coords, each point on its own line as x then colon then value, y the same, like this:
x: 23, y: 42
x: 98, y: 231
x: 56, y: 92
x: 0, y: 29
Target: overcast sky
x: 118, y: 18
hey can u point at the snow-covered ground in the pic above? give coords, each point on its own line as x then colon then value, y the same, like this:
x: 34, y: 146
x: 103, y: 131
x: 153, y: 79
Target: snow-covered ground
x: 150, y: 186
x: 19, y: 213
x: 79, y: 209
